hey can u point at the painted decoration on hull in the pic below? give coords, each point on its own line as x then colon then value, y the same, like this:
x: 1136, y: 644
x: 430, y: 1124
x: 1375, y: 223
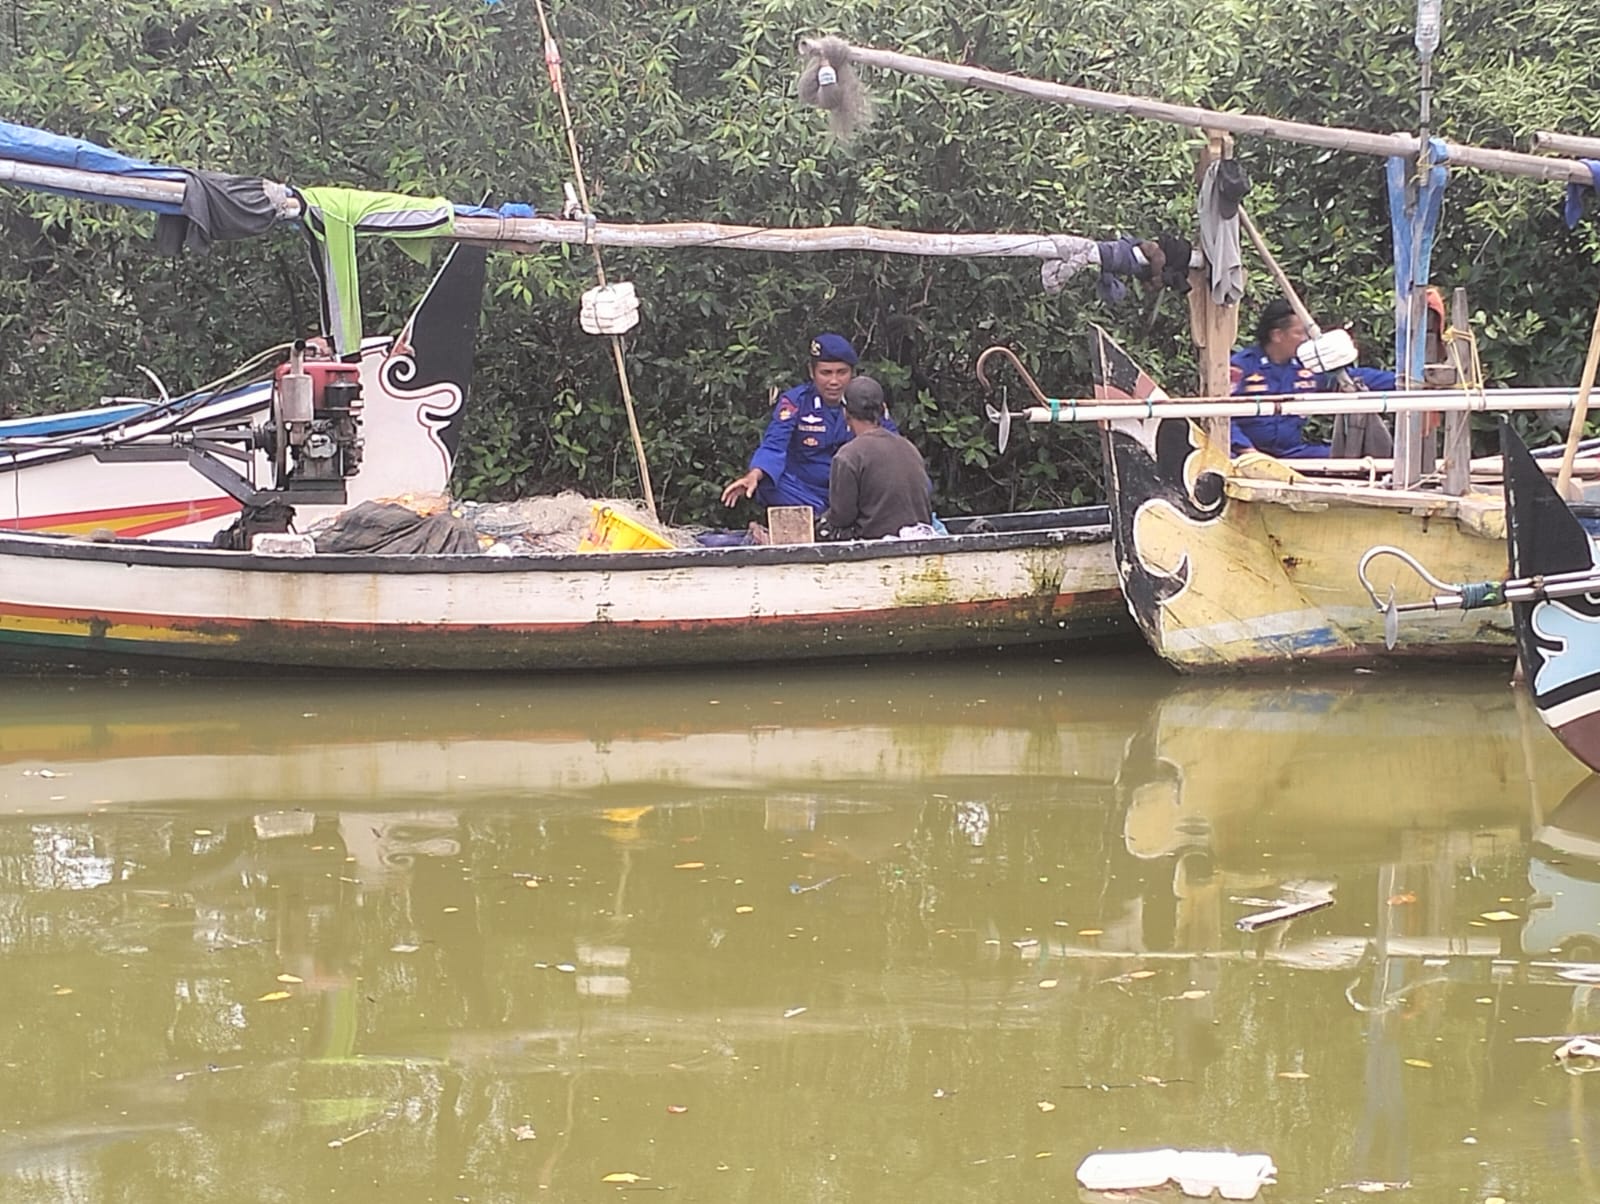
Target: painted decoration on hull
x: 1558, y: 639
x: 1160, y: 472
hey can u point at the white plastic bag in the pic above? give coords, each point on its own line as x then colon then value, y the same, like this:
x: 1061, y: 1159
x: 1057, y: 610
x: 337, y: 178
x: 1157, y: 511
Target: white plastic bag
x: 609, y: 309
x: 1197, y: 1173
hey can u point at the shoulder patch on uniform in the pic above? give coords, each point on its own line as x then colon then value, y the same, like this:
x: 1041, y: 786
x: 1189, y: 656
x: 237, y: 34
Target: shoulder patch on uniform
x: 786, y: 411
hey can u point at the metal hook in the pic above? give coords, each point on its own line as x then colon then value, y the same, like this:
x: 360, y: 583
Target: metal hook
x: 1027, y: 377
x: 1411, y: 562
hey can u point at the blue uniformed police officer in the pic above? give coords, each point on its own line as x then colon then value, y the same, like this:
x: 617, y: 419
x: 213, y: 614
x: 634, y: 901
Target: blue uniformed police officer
x: 1270, y: 367
x: 807, y: 426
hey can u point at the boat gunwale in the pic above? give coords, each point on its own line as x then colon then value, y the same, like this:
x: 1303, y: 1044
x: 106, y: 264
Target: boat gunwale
x: 176, y: 554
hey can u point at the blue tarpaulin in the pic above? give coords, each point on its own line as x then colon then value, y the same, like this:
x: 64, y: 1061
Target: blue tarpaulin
x: 25, y: 144
x: 28, y: 145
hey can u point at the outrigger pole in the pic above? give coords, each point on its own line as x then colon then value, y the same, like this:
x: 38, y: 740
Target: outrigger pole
x: 1332, y: 137
x: 533, y: 233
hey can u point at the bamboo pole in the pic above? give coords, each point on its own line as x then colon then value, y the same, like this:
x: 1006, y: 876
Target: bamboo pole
x: 1573, y: 145
x: 529, y: 234
x: 552, y: 58
x: 1374, y: 401
x: 524, y: 234
x: 1580, y: 411
x: 1313, y: 330
x: 1457, y: 427
x: 1362, y: 142
x: 1213, y: 328
x: 1483, y: 469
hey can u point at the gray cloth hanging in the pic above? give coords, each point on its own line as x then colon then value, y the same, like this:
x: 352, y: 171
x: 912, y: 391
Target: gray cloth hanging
x: 1356, y: 436
x: 1219, y: 239
x: 216, y: 207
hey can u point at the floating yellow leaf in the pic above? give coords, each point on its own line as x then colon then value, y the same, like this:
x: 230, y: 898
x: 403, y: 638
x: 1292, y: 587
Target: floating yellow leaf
x: 743, y: 910
x: 624, y: 1177
x: 690, y: 865
x: 1501, y: 916
x: 289, y: 978
x: 1293, y: 1074
x: 532, y: 884
x: 1401, y: 899
x: 273, y: 996
x: 63, y: 990
x: 1142, y: 974
x: 676, y: 1109
x: 1046, y: 1106
x: 1419, y: 1063
x: 1048, y: 984
x: 1042, y: 1154
x: 1194, y: 993
x: 1090, y: 931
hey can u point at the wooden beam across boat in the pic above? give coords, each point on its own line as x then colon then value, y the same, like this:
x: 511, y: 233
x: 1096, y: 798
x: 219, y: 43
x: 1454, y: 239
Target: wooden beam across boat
x: 1339, y: 138
x: 1483, y: 468
x: 534, y: 233
x: 1307, y: 405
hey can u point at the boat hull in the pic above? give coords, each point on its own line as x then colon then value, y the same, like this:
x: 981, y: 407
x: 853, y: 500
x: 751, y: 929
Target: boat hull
x: 1267, y: 578
x: 65, y: 601
x: 1225, y: 571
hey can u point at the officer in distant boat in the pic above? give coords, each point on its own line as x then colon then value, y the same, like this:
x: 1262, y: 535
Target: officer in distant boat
x: 807, y: 426
x: 1272, y: 366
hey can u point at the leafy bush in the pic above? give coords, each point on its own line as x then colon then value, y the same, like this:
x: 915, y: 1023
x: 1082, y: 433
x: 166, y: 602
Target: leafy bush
x: 687, y: 110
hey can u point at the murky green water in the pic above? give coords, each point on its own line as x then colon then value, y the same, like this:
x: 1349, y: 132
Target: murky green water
x: 913, y: 933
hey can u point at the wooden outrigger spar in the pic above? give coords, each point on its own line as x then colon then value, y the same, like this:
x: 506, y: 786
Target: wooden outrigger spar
x: 533, y: 233
x: 1361, y: 142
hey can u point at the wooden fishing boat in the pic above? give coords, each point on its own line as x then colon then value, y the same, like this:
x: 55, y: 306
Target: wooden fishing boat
x: 185, y: 466
x: 1030, y: 578
x: 1249, y: 565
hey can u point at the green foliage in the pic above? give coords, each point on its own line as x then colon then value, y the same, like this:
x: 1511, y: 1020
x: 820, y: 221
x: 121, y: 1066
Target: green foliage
x: 688, y: 111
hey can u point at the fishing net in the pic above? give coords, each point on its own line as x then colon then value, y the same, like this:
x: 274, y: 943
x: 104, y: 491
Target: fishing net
x: 417, y: 522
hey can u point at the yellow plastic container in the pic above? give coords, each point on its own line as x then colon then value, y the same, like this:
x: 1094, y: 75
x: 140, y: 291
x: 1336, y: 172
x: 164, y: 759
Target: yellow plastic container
x: 611, y: 531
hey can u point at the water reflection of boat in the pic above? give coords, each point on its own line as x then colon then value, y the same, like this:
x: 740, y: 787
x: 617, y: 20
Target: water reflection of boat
x: 137, y: 743
x: 1235, y: 768
x: 1564, y: 876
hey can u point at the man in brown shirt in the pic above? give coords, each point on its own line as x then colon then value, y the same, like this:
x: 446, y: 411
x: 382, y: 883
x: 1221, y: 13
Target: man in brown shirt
x: 878, y: 482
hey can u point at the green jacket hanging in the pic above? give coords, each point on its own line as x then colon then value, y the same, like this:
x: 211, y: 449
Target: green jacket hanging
x: 334, y: 216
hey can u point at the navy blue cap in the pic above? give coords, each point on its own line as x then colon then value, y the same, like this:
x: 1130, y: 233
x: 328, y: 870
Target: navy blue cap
x: 833, y: 349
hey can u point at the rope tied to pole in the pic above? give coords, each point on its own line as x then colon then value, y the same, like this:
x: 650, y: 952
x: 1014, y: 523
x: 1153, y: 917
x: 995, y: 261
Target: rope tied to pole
x: 1462, y: 347
x: 552, y: 62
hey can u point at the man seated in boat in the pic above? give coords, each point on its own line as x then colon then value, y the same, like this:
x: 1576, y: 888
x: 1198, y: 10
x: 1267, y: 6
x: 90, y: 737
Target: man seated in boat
x: 807, y: 427
x: 1272, y: 367
x: 878, y: 484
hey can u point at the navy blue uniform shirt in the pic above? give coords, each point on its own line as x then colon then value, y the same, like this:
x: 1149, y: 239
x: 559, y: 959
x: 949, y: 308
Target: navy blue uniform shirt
x: 797, y: 449
x: 1283, y: 435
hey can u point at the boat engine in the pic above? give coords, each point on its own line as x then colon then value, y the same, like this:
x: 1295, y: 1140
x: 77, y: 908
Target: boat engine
x: 314, y: 434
